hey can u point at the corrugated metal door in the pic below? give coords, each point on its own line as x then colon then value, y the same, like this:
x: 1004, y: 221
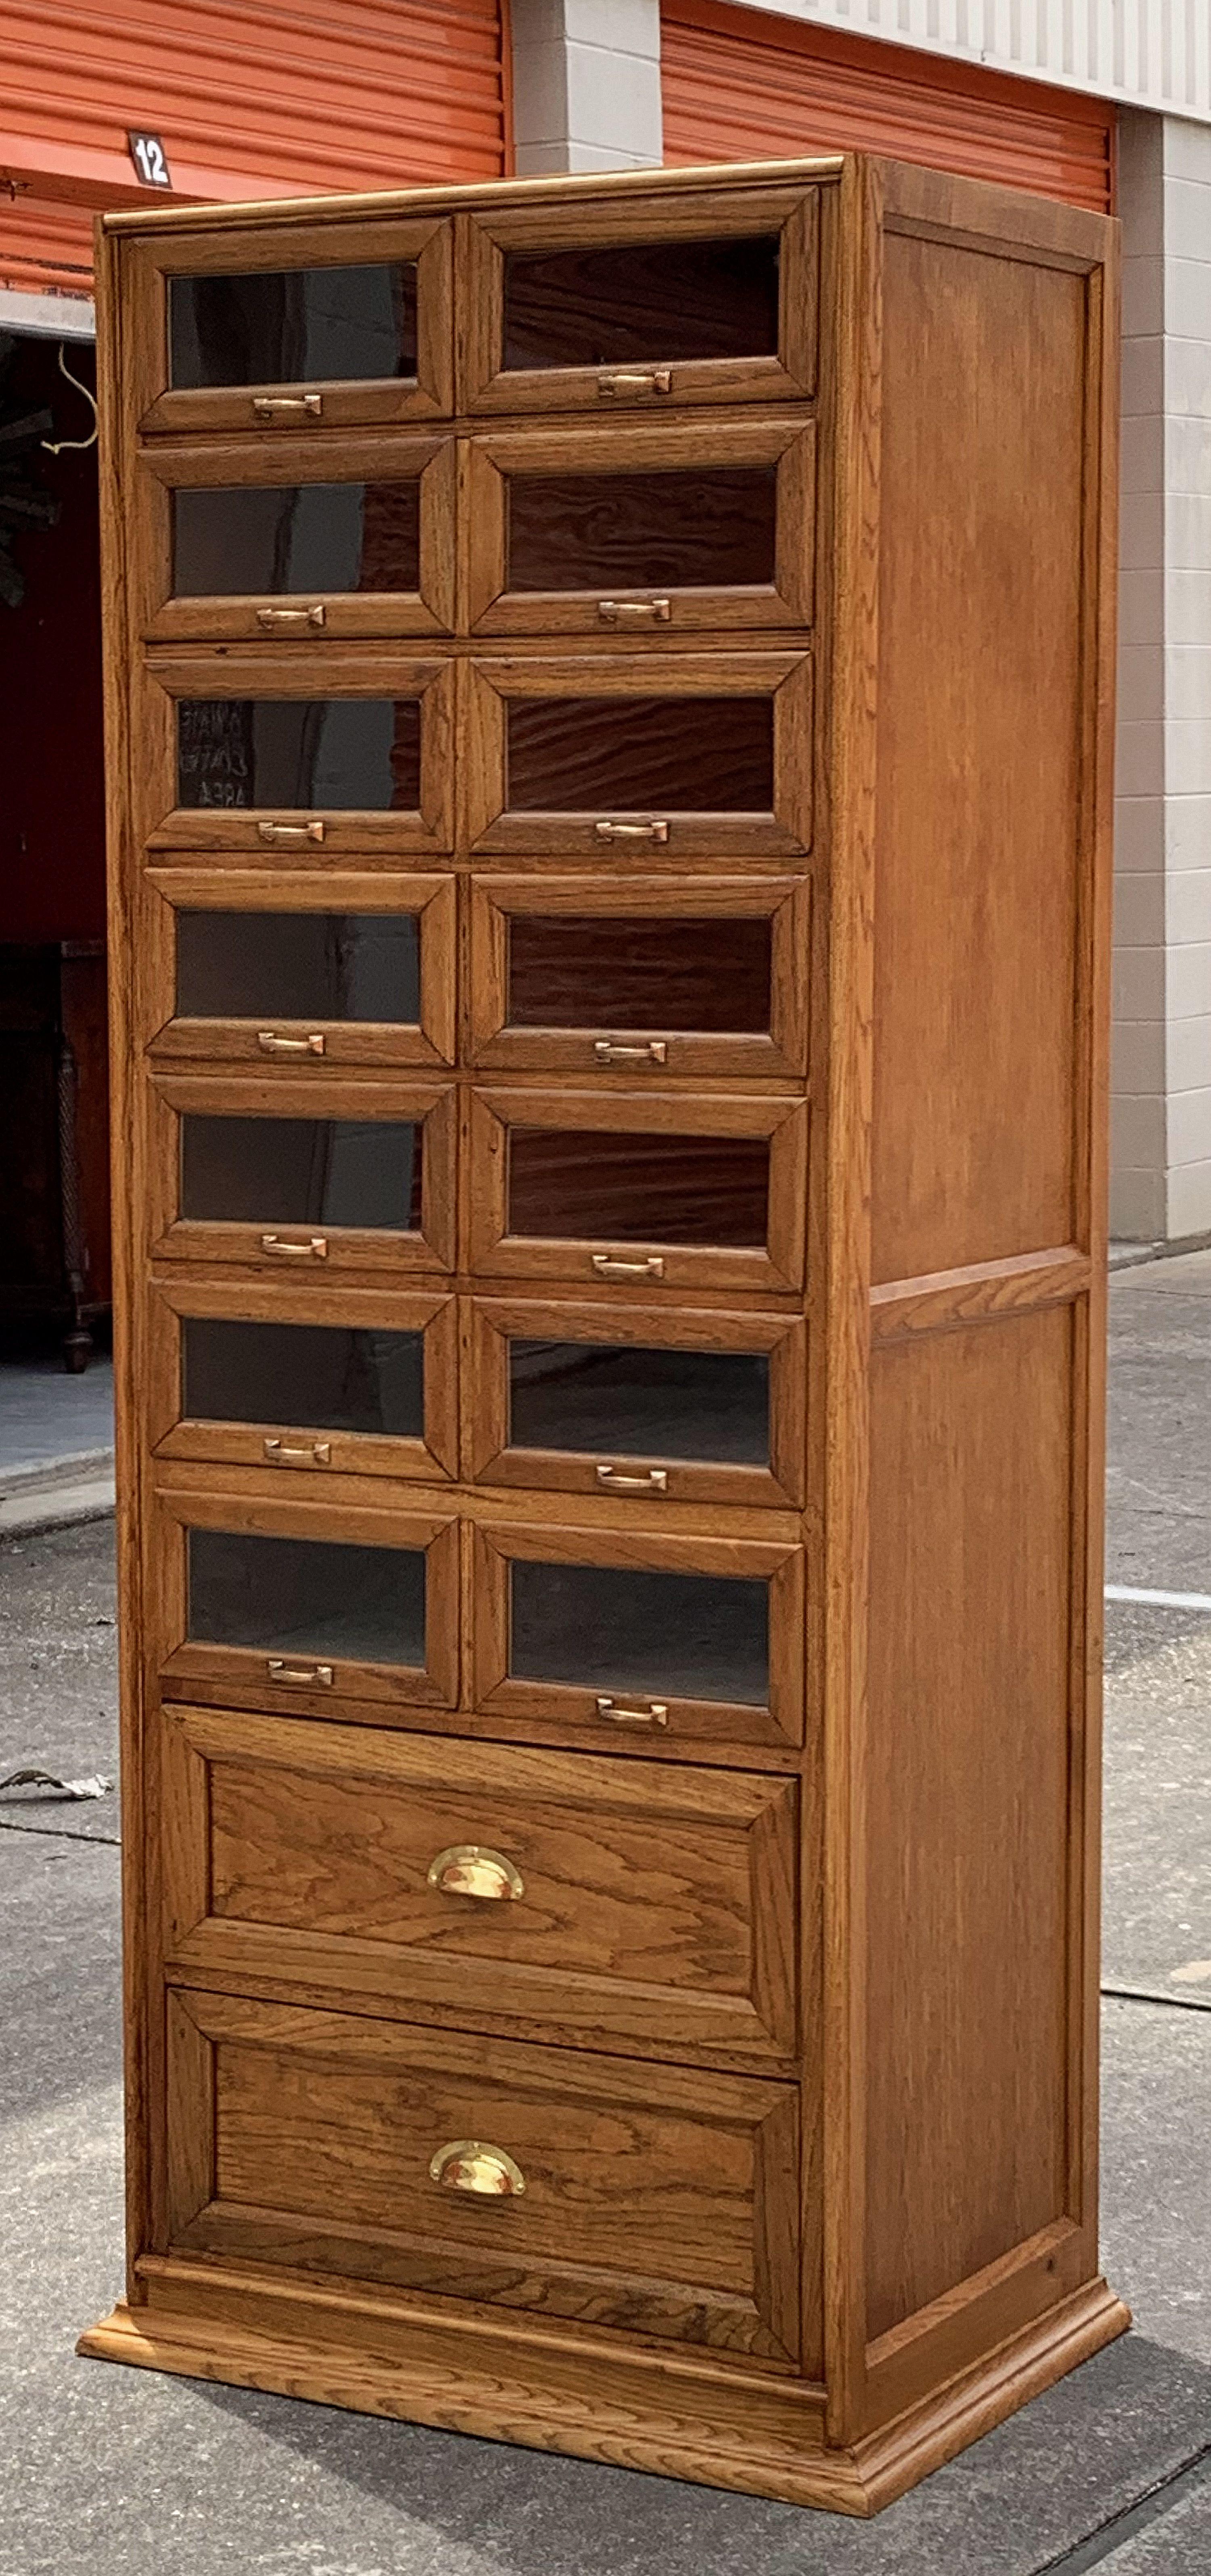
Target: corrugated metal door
x: 740, y: 86
x: 268, y: 101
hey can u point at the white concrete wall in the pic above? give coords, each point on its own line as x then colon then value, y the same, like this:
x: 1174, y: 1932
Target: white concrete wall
x: 586, y: 85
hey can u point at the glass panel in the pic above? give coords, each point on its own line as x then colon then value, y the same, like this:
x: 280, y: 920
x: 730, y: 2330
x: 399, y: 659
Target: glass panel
x: 328, y: 1376
x: 615, y: 755
x: 298, y: 966
x: 295, y: 326
x: 599, y: 1397
x: 284, y: 537
x: 301, y: 1171
x: 641, y: 300
x: 344, y: 753
x: 612, y: 1628
x: 641, y: 531
x: 304, y: 1596
x: 610, y: 974
x: 645, y: 1189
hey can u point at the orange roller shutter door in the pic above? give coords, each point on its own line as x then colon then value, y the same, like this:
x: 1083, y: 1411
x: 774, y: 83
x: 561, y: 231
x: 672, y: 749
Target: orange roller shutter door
x: 742, y: 86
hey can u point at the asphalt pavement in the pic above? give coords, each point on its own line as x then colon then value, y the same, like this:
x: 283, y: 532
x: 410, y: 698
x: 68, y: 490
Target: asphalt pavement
x: 125, y: 2473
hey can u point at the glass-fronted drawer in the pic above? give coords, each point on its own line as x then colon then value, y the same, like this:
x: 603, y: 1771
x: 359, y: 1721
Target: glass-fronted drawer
x: 289, y: 1177
x: 326, y: 326
x: 294, y: 1375
x: 332, y: 970
x: 252, y: 753
x: 633, y: 307
x: 639, y: 1402
x: 251, y: 1604
x: 661, y: 976
x: 288, y: 545
x: 641, y: 1640
x: 641, y: 756
x: 641, y: 531
x: 616, y: 1190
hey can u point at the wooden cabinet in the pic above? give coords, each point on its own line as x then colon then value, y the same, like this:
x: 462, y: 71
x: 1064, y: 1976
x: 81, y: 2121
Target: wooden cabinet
x: 610, y: 781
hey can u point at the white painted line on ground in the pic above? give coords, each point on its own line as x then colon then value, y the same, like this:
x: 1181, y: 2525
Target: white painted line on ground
x: 1159, y: 1600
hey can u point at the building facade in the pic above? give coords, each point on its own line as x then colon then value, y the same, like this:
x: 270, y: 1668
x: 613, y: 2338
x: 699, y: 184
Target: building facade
x: 1106, y: 104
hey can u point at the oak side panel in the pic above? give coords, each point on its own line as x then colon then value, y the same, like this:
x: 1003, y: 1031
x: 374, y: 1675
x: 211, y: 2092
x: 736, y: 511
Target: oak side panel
x: 968, y: 1769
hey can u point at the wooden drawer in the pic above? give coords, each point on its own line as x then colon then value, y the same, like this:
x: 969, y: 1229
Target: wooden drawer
x: 625, y: 307
x: 316, y: 1381
x: 640, y: 532
x: 660, y: 2201
x: 335, y: 327
x: 661, y: 976
x: 606, y: 1904
x: 302, y: 1605
x: 289, y: 542
x: 256, y: 750
x: 300, y: 972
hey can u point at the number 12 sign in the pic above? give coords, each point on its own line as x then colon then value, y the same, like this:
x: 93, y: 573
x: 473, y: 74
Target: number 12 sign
x: 147, y: 153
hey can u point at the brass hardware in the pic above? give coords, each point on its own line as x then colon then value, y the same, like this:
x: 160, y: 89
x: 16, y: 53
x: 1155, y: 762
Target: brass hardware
x: 318, y: 1453
x: 627, y: 381
x: 288, y: 406
x: 655, y: 1714
x: 289, y: 834
x: 272, y: 617
x: 656, y: 831
x: 608, y: 1051
x: 607, y: 1267
x: 466, y: 1869
x: 654, y: 1480
x: 465, y: 2164
x: 315, y: 1248
x: 634, y: 612
x: 271, y: 1044
x: 299, y: 1676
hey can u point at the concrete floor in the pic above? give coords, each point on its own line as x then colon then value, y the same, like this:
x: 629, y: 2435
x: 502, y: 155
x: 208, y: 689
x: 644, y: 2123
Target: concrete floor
x: 139, y: 2476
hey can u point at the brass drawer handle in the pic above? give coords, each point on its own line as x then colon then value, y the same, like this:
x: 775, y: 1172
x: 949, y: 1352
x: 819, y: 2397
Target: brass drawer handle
x: 317, y: 1453
x: 275, y: 617
x: 271, y: 1044
x: 655, y: 1714
x: 288, y: 406
x: 315, y: 1248
x: 654, y: 831
x: 300, y: 1676
x: 626, y: 383
x: 466, y: 1869
x: 634, y: 612
x: 289, y: 835
x: 654, y: 1480
x: 466, y: 2164
x: 606, y: 1267
x: 610, y: 1051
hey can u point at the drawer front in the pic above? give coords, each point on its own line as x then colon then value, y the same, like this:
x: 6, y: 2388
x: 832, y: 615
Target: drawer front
x: 663, y: 2202
x: 602, y: 1902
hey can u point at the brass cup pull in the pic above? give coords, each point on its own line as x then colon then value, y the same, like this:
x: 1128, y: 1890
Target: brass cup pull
x: 278, y: 617
x: 317, y: 1453
x: 655, y: 1714
x: 634, y: 612
x: 299, y: 1676
x: 628, y: 384
x: 657, y: 830
x: 271, y: 1044
x: 288, y: 406
x: 314, y: 1249
x: 606, y: 1267
x: 466, y: 1869
x: 611, y: 1051
x: 289, y: 836
x: 466, y: 2164
x: 654, y: 1480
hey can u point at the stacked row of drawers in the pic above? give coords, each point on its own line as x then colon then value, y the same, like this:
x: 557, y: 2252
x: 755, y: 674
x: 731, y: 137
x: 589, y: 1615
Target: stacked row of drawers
x: 469, y: 828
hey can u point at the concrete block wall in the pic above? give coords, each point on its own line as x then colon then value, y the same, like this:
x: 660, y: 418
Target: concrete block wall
x: 586, y: 85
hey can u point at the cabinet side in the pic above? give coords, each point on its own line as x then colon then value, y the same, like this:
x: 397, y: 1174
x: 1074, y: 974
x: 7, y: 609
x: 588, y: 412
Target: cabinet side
x: 991, y: 903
